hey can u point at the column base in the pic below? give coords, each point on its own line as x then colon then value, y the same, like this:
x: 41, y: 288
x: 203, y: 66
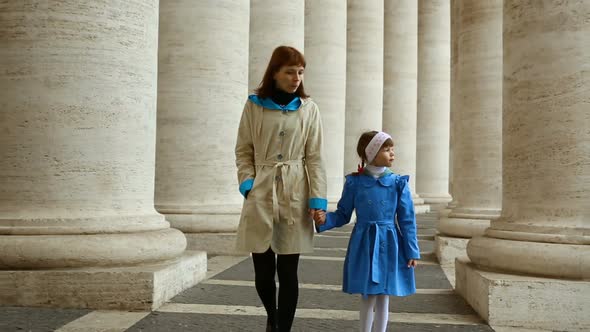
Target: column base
x: 417, y: 199
x: 443, y: 213
x: 447, y: 249
x: 524, y: 301
x: 434, y: 199
x: 213, y: 243
x: 421, y: 209
x: 437, y: 207
x: 462, y: 227
x: 212, y: 233
x: 142, y: 287
x: 207, y: 223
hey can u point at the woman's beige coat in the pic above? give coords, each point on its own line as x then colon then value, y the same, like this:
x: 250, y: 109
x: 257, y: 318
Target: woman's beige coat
x: 283, y: 152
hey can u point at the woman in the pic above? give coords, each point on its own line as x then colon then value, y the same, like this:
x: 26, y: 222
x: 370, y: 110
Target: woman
x: 283, y: 180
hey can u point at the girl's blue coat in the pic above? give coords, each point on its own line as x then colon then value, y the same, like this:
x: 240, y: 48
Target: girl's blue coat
x: 378, y: 251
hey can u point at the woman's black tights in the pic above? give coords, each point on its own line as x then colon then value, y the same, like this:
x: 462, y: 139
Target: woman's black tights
x: 264, y: 272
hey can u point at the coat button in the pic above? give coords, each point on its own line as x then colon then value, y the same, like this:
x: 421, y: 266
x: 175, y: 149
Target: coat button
x: 280, y: 157
x: 278, y: 178
x: 282, y: 133
x: 370, y: 202
x: 382, y: 202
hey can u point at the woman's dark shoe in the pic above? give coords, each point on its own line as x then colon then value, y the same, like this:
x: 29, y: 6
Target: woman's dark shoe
x: 271, y: 328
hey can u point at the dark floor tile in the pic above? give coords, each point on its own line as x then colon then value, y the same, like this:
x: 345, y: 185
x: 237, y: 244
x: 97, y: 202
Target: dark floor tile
x: 330, y: 273
x: 327, y: 253
x: 158, y: 322
x: 325, y: 299
x: 36, y: 319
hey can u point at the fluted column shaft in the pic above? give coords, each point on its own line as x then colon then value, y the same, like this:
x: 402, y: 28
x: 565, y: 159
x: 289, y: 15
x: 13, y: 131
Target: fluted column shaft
x: 77, y: 136
x: 546, y: 144
x: 364, y: 74
x: 477, y: 126
x: 273, y: 23
x: 455, y: 18
x: 202, y: 87
x: 400, y: 76
x: 325, y: 79
x: 432, y: 179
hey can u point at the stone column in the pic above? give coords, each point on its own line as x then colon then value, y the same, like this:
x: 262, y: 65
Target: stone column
x: 400, y: 77
x: 537, y: 255
x: 325, y: 80
x: 477, y: 128
x: 432, y: 157
x: 454, y: 91
x: 273, y: 23
x: 202, y: 88
x: 443, y: 212
x: 77, y: 149
x: 364, y: 74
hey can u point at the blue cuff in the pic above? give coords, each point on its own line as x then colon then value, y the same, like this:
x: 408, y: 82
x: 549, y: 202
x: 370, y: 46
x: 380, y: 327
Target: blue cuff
x: 318, y: 203
x: 320, y: 228
x: 246, y: 186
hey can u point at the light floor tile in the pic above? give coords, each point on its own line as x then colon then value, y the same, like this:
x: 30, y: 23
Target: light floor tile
x: 321, y: 314
x: 244, y: 283
x: 104, y: 321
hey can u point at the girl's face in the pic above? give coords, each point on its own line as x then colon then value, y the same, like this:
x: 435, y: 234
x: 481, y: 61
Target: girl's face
x: 288, y: 78
x: 384, y: 157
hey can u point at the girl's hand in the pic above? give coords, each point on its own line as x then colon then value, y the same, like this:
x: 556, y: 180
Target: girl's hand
x: 412, y: 263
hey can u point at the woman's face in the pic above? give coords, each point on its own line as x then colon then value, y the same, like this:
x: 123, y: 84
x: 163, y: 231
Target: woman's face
x: 288, y: 78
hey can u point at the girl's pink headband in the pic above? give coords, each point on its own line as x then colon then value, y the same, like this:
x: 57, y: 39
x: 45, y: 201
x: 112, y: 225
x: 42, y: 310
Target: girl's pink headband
x: 374, y: 145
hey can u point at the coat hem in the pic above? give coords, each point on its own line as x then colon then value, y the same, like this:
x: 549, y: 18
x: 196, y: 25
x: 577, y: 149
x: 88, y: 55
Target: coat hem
x: 255, y: 251
x: 381, y: 293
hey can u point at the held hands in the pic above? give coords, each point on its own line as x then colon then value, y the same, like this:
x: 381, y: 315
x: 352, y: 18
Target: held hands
x: 319, y: 216
x: 412, y: 263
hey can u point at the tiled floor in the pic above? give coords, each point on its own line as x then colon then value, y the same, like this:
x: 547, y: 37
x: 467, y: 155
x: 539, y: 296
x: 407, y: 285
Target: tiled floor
x: 227, y: 300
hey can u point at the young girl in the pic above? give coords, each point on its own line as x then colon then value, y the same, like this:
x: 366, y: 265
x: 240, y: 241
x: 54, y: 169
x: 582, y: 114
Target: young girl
x: 381, y: 255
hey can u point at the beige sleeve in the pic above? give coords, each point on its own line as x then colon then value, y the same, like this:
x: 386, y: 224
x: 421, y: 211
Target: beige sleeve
x: 245, y: 147
x: 315, y: 161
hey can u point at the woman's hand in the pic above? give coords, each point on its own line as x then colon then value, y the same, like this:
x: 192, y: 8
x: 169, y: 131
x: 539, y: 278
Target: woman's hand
x: 412, y: 263
x: 319, y: 216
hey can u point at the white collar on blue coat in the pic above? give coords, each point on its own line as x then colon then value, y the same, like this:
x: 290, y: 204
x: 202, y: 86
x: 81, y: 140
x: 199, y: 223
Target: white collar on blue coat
x: 388, y: 178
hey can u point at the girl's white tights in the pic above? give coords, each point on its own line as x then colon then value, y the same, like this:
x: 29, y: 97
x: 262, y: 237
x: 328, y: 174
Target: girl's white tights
x: 380, y: 305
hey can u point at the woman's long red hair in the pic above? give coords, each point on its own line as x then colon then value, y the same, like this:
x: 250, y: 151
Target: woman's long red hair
x: 281, y: 56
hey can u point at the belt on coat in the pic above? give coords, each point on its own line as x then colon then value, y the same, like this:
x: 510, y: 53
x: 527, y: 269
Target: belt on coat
x: 278, y: 166
x: 375, y: 271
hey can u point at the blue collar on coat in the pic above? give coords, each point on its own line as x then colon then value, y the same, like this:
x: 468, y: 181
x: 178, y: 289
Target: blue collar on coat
x: 270, y: 104
x: 387, y: 179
